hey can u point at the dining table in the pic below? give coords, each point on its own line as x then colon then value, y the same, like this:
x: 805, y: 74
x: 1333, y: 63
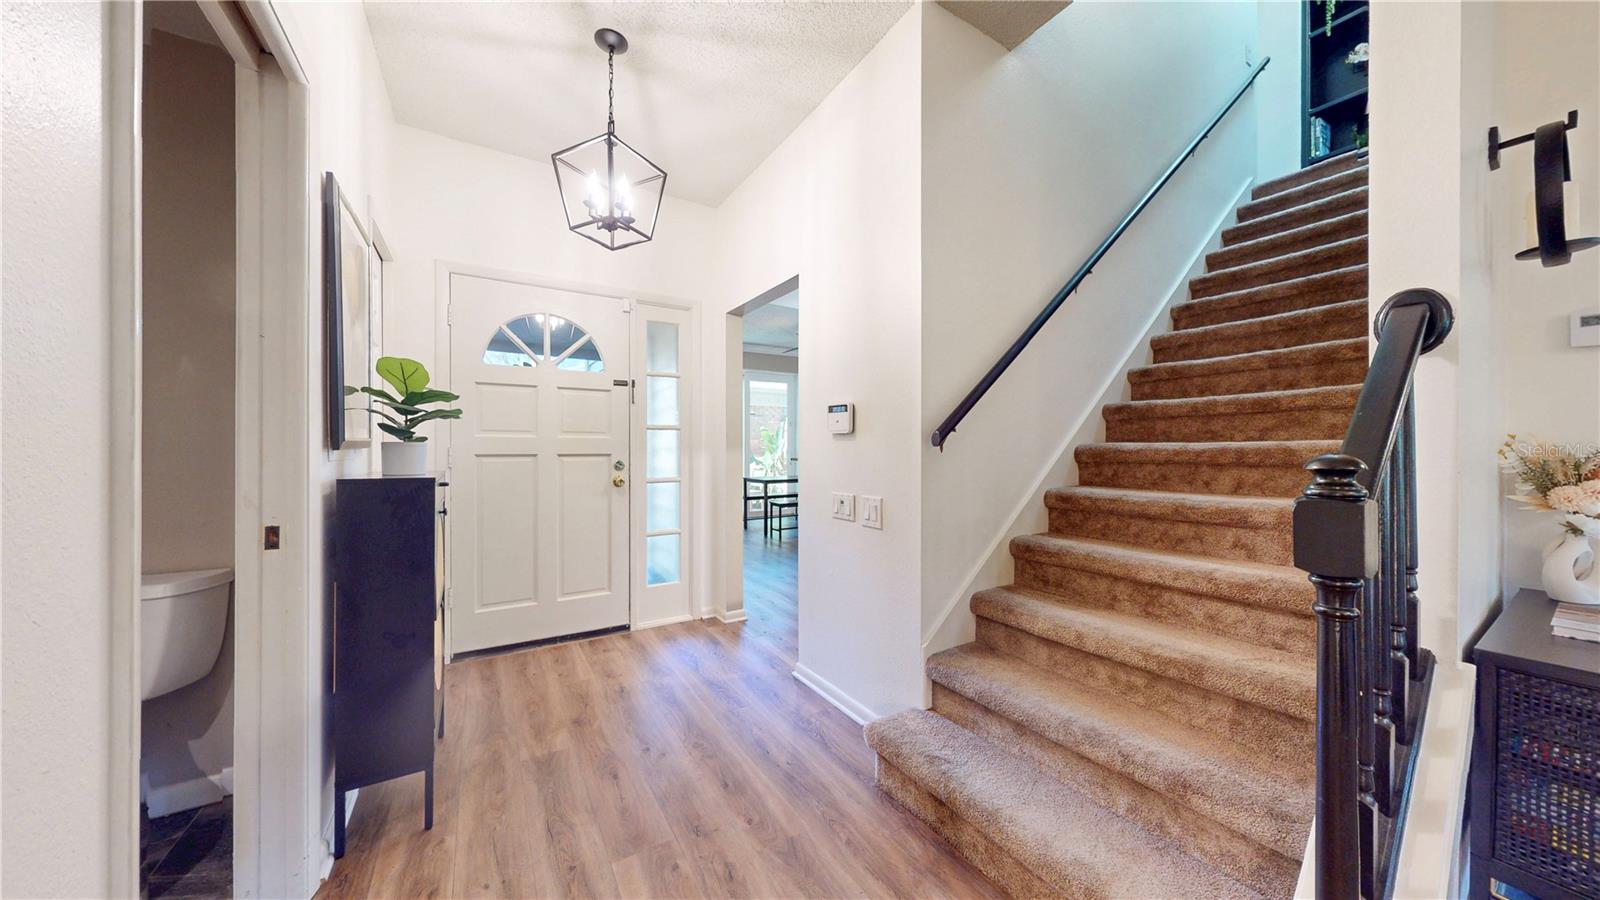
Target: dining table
x: 766, y: 483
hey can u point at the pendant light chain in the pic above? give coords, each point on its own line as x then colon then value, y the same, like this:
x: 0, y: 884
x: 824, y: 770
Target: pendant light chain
x: 611, y: 92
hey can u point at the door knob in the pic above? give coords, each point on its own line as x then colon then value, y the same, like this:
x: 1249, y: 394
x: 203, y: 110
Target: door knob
x: 618, y: 481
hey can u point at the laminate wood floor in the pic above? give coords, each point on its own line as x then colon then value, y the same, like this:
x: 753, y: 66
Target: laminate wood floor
x: 683, y: 761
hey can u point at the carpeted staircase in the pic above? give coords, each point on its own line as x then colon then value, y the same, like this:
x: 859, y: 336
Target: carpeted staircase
x: 1135, y: 718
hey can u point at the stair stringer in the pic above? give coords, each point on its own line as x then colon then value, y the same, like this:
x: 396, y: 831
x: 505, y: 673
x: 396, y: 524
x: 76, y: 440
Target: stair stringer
x: 955, y: 623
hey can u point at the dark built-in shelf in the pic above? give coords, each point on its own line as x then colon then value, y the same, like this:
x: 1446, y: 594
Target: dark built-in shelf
x: 1332, y: 89
x: 1321, y: 31
x: 1356, y: 94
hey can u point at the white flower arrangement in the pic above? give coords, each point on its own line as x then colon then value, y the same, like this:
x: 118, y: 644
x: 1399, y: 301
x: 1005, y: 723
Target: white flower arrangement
x: 1557, y: 478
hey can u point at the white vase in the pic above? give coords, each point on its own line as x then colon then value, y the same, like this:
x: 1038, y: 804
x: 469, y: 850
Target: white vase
x: 405, y: 458
x: 1571, y: 573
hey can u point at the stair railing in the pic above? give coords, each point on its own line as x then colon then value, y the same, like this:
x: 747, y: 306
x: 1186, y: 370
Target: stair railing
x: 1355, y: 532
x: 948, y: 426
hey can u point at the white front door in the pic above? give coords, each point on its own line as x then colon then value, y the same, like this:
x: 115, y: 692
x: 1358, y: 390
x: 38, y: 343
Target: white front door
x: 539, y: 463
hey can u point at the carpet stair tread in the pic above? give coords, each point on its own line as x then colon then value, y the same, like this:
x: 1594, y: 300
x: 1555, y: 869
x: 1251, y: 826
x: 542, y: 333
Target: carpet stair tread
x: 1073, y: 845
x: 1332, y: 166
x: 1296, y: 328
x: 1322, y: 289
x: 1234, y: 668
x: 1301, y: 195
x: 1218, y: 777
x: 1348, y: 251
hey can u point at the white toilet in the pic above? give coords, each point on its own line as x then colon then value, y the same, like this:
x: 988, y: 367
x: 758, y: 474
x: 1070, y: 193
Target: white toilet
x: 183, y: 618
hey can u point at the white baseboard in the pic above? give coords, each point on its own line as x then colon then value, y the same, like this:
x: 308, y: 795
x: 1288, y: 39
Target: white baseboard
x: 198, y: 791
x: 845, y: 703
x: 730, y: 618
x: 669, y: 620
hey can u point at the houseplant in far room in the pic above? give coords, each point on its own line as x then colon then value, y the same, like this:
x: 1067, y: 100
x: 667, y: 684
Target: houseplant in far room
x: 401, y: 415
x: 1565, y: 480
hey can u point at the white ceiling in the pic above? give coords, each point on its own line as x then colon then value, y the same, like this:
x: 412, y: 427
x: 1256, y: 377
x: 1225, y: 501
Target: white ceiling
x: 774, y: 327
x: 706, y: 90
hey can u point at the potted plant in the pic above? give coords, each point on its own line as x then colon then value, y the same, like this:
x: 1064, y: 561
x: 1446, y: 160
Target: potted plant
x: 408, y: 453
x: 1566, y: 481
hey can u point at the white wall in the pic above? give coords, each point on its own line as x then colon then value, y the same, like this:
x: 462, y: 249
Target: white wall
x: 348, y: 120
x: 56, y: 746
x: 817, y: 208
x: 1029, y: 159
x: 188, y: 315
x: 462, y: 203
x: 1280, y: 34
x: 1546, y: 56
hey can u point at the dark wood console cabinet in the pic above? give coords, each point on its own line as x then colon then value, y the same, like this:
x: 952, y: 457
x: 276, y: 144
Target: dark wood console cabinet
x: 387, y: 668
x: 1535, y: 784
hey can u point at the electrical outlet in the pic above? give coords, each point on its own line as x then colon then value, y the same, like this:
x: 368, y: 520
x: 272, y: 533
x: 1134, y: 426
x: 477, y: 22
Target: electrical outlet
x: 872, y: 511
x: 844, y: 507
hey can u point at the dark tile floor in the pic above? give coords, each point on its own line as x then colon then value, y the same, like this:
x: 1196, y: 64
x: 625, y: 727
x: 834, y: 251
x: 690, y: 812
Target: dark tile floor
x: 188, y: 854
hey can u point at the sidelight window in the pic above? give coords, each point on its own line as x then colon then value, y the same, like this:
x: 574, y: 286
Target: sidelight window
x: 663, y: 422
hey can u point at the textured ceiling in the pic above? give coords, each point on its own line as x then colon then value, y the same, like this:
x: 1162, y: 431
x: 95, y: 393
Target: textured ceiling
x: 774, y: 327
x: 707, y: 90
x: 1009, y: 22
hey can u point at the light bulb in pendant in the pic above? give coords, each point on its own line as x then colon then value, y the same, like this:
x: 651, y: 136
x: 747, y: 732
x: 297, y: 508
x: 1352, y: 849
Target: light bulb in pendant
x: 624, y: 194
x: 596, y: 199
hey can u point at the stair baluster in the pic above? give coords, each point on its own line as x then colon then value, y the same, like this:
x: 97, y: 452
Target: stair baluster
x: 1378, y: 652
x: 1355, y: 534
x: 1395, y: 572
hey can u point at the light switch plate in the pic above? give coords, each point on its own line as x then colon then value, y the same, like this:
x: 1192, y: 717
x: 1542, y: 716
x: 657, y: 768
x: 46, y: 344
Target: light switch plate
x: 872, y: 511
x: 844, y: 507
x: 1584, y: 330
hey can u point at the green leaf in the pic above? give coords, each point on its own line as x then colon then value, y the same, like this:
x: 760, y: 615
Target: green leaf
x: 395, y: 419
x: 380, y: 393
x: 401, y: 407
x: 404, y: 434
x: 417, y: 398
x: 350, y: 389
x: 430, y: 415
x: 407, y: 375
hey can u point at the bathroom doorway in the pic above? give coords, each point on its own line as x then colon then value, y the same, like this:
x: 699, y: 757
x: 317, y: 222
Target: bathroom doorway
x: 188, y: 377
x: 211, y: 277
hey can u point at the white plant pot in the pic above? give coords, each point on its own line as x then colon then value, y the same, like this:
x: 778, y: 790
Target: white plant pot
x: 405, y: 458
x: 1571, y: 571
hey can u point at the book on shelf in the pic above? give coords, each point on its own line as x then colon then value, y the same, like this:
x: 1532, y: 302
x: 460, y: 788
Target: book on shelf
x: 1572, y: 620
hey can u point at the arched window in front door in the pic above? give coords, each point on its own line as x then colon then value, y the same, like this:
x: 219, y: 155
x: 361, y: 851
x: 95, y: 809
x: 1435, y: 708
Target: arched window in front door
x: 540, y: 339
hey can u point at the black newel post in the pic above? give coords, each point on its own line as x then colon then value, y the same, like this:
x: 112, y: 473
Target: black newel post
x: 1336, y: 540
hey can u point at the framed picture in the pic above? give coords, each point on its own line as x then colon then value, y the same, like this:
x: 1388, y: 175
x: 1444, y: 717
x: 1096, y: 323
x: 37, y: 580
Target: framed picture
x: 347, y: 317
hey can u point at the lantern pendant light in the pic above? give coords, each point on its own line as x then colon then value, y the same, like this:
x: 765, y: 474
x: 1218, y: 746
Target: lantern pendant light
x: 610, y: 193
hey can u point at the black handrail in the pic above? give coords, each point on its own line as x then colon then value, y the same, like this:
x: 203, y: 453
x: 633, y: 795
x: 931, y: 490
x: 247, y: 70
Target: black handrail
x: 1355, y: 533
x: 948, y: 426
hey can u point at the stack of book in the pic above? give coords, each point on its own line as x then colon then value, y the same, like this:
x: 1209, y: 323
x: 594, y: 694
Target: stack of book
x: 1574, y: 621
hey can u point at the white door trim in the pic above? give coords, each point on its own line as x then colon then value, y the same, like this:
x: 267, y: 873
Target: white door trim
x: 273, y: 643
x: 124, y: 48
